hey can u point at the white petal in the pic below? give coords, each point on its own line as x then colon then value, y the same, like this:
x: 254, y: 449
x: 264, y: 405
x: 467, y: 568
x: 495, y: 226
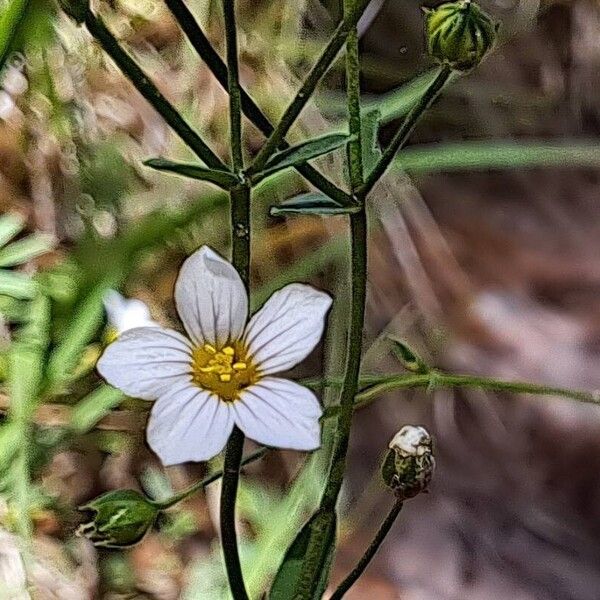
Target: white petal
x: 189, y: 424
x: 287, y: 328
x: 280, y: 413
x: 211, y: 298
x: 124, y: 314
x: 146, y: 362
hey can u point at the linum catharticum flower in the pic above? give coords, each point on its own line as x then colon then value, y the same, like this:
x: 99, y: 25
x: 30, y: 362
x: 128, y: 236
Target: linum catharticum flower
x: 124, y: 314
x: 222, y: 375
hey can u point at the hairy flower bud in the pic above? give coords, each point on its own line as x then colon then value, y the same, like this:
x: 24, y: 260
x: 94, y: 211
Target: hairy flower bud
x: 459, y: 34
x: 409, y: 463
x: 121, y: 519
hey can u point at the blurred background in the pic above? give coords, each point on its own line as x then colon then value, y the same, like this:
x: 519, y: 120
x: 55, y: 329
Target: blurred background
x: 485, y: 246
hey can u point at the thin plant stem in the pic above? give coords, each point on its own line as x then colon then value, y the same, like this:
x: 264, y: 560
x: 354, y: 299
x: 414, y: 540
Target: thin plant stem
x: 403, y: 134
x: 218, y: 68
x: 370, y: 552
x: 437, y: 379
x: 311, y: 570
x: 307, y: 89
x: 149, y: 91
x: 200, y: 485
x: 240, y: 239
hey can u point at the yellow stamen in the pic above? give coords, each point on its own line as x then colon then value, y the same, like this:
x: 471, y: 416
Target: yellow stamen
x: 225, y: 371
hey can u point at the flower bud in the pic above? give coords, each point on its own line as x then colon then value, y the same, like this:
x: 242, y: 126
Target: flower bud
x: 121, y: 519
x: 459, y: 34
x: 409, y: 463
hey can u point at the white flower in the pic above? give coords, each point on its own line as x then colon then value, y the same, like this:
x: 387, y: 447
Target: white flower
x: 124, y: 314
x: 223, y: 374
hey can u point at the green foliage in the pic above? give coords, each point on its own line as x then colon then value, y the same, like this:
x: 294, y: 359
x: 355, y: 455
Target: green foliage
x: 321, y: 526
x: 312, y: 203
x: 25, y: 25
x: 10, y: 23
x: 223, y: 179
x: 301, y: 153
x: 498, y: 154
x: 84, y: 324
x: 24, y: 250
x: 15, y: 284
x: 96, y: 405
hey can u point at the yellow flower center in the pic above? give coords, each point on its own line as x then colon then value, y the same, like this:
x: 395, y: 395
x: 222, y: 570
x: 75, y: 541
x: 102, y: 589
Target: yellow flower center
x: 225, y: 371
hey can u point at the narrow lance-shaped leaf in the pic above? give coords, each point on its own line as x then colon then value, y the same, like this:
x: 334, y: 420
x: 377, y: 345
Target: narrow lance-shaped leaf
x: 96, y: 405
x: 10, y: 225
x: 83, y: 326
x: 12, y: 14
x: 470, y: 156
x: 312, y: 203
x: 223, y: 179
x: 302, y: 153
x: 17, y: 285
x: 24, y: 250
x: 290, y: 571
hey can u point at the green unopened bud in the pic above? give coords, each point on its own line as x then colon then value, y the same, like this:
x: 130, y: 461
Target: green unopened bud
x: 459, y: 34
x: 121, y: 518
x: 409, y: 463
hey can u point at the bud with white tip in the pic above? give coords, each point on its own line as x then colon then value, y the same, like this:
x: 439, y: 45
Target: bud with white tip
x: 409, y: 463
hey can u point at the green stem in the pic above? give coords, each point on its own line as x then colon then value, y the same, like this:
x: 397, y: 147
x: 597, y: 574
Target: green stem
x: 403, y: 134
x: 366, y: 558
x: 149, y: 91
x: 200, y: 485
x: 312, y: 568
x: 437, y: 379
x: 219, y: 69
x: 307, y: 89
x: 355, y: 160
x: 240, y: 240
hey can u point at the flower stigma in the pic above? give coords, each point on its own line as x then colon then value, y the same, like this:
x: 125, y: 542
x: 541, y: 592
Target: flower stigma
x: 224, y: 371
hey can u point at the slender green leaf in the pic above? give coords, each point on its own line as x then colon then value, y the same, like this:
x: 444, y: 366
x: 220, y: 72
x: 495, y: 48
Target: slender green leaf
x: 25, y: 25
x: 223, y: 179
x: 17, y: 285
x: 466, y: 156
x: 83, y: 326
x: 392, y: 105
x: 288, y: 577
x: 297, y: 155
x: 312, y: 203
x: 10, y: 225
x: 28, y: 356
x: 94, y: 407
x: 10, y: 20
x: 370, y: 142
x: 24, y: 250
x: 398, y: 102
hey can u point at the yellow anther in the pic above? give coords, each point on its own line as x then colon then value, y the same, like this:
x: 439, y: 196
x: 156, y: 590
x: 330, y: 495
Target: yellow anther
x: 224, y: 371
